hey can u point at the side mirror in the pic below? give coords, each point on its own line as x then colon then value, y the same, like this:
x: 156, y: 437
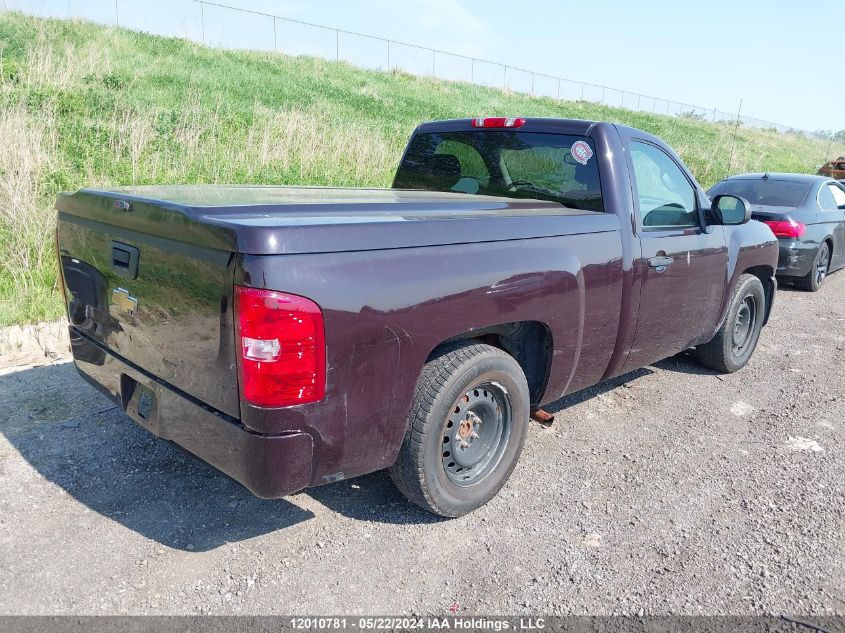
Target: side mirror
x: 730, y: 210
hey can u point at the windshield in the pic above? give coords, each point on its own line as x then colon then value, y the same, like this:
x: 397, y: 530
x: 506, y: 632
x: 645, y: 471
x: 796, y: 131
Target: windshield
x: 504, y: 163
x: 765, y: 192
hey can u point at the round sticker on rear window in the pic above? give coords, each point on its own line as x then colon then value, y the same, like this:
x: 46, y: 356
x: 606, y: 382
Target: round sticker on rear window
x: 581, y: 152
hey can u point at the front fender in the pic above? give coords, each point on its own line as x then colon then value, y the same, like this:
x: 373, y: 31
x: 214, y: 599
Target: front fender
x: 752, y: 248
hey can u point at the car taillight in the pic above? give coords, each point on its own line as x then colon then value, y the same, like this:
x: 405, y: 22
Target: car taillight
x: 786, y: 228
x: 498, y: 121
x: 281, y: 348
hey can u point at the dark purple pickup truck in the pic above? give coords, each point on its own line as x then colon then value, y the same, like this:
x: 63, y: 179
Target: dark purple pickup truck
x: 294, y: 336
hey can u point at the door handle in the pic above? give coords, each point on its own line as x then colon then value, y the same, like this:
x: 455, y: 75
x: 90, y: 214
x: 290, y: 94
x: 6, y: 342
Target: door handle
x: 660, y: 262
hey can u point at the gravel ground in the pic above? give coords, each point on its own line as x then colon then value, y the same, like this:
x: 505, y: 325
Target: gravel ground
x: 668, y: 491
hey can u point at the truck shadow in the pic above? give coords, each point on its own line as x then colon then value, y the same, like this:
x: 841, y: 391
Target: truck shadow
x: 82, y: 443
x: 374, y: 498
x: 685, y: 363
x: 596, y: 390
x: 371, y: 497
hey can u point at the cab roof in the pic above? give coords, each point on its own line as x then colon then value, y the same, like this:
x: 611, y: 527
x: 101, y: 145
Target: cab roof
x: 579, y: 127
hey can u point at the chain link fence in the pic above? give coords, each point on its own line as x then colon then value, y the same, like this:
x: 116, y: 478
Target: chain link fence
x: 224, y: 26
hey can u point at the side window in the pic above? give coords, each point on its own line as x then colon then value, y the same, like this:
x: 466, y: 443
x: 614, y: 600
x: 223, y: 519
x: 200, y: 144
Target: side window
x: 827, y: 199
x: 665, y: 195
x: 838, y: 195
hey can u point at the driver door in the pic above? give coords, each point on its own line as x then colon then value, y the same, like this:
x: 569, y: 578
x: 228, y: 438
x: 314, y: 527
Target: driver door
x: 682, y: 268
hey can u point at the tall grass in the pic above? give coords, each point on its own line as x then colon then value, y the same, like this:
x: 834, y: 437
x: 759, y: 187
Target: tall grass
x: 27, y: 151
x: 84, y: 105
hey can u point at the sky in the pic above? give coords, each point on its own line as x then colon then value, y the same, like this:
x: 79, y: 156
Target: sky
x: 782, y: 58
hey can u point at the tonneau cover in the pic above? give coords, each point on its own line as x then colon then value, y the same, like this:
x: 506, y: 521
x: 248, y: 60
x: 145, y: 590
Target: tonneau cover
x: 273, y: 220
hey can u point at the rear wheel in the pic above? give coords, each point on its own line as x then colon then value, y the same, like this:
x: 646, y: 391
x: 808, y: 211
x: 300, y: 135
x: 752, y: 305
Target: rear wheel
x: 734, y: 343
x: 466, y: 430
x: 813, y: 280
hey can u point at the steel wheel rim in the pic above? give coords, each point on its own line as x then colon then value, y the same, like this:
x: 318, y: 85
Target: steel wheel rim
x: 821, y: 265
x: 476, y: 433
x: 746, y: 319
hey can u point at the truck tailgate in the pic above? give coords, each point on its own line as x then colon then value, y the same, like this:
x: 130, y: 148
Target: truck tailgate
x: 158, y: 297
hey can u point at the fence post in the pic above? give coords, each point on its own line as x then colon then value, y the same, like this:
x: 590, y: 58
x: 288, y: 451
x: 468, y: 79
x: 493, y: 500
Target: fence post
x: 116, y: 13
x: 388, y: 55
x: 472, y: 71
x: 558, y: 88
x: 337, y: 45
x: 714, y: 115
x: 733, y: 141
x: 602, y: 95
x: 582, y: 92
x: 433, y: 64
x: 821, y: 158
x: 639, y: 97
x: 275, y: 39
x: 532, y: 84
x: 505, y: 79
x: 202, y: 21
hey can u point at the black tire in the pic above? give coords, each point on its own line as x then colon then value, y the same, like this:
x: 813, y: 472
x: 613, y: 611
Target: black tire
x: 734, y: 343
x: 814, y: 279
x: 460, y: 380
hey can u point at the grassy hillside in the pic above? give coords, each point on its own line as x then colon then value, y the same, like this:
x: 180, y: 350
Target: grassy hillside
x: 85, y: 105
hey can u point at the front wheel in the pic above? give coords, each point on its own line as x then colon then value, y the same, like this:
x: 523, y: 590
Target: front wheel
x: 466, y: 429
x: 734, y: 343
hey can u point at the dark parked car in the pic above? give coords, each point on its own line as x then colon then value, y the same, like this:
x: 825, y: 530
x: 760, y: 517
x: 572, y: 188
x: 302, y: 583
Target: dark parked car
x: 296, y: 336
x: 806, y: 214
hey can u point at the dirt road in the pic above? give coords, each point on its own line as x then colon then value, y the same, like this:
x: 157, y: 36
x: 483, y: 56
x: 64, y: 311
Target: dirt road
x: 671, y: 490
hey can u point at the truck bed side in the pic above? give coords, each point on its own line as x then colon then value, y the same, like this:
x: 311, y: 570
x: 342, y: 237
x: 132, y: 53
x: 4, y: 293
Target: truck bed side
x: 385, y: 311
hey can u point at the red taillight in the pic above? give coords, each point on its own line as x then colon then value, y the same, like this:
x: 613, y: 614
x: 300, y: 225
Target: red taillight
x: 786, y: 228
x: 281, y: 348
x: 499, y: 121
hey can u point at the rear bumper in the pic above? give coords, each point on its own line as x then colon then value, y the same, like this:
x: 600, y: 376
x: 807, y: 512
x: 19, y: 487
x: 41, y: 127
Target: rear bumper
x: 795, y: 257
x: 270, y: 466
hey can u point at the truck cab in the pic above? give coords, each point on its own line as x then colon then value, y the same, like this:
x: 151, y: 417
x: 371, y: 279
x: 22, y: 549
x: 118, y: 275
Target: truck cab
x: 681, y: 261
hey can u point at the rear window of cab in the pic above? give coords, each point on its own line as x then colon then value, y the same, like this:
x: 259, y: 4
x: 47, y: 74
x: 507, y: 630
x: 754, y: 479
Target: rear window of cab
x: 556, y: 167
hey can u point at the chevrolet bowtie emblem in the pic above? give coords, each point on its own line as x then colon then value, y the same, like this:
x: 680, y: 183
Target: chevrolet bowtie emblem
x: 124, y: 301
